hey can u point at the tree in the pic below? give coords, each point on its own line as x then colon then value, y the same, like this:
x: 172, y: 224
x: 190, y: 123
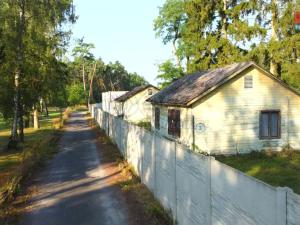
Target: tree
x: 83, y: 56
x: 216, y: 33
x: 101, y: 78
x: 170, y: 23
x: 31, y: 33
x: 168, y: 72
x: 76, y: 94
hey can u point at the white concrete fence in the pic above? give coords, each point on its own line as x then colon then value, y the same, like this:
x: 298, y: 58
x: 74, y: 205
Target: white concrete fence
x: 198, y: 189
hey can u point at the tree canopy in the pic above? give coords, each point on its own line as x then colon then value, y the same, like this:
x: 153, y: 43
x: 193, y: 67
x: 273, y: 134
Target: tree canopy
x: 208, y: 34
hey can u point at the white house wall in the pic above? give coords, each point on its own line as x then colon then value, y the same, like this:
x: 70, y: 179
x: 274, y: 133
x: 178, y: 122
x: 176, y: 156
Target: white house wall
x: 185, y: 120
x: 136, y: 109
x: 108, y: 103
x: 227, y: 121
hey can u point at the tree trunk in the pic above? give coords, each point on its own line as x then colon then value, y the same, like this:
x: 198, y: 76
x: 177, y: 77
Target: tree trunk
x: 274, y: 37
x: 14, y: 130
x: 83, y: 78
x: 21, y: 123
x: 84, y: 84
x: 46, y: 109
x: 224, y: 20
x: 36, y: 122
x: 175, y: 53
x: 91, y: 83
x: 42, y: 105
x: 18, y: 76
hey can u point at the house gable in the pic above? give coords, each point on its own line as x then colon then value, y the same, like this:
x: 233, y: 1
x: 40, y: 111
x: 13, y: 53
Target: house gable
x: 136, y: 108
x: 229, y: 116
x: 239, y: 74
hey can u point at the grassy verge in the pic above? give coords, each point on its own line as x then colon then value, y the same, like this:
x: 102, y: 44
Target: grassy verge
x: 139, y: 199
x: 144, y: 201
x: 275, y: 168
x: 16, y: 167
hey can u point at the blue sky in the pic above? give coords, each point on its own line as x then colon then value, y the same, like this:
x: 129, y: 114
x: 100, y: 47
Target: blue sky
x: 123, y: 30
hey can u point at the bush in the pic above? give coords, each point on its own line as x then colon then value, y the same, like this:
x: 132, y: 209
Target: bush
x: 76, y: 95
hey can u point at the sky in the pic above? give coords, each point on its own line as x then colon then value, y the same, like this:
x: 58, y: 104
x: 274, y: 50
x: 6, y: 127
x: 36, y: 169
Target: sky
x: 123, y: 30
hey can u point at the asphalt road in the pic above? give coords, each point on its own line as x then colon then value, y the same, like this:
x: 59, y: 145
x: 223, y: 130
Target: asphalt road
x: 75, y: 188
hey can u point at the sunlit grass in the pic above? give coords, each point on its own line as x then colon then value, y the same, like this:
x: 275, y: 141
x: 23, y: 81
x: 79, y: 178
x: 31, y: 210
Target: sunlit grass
x: 277, y: 169
x: 10, y: 160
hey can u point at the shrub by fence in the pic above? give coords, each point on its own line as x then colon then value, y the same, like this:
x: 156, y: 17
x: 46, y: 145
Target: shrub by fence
x: 195, y: 188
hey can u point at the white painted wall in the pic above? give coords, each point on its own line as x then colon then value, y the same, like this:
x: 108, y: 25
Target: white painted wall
x: 136, y: 109
x: 227, y: 120
x: 195, y: 188
x: 108, y: 103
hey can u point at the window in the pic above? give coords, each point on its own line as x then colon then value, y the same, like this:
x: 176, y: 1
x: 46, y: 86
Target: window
x: 270, y: 126
x: 150, y: 92
x: 157, y: 118
x: 248, y: 81
x: 174, y: 122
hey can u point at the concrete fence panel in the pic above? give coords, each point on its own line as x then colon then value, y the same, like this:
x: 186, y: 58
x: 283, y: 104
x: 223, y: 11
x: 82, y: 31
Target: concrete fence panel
x: 197, y: 189
x: 125, y: 127
x: 293, y: 208
x: 119, y: 133
x: 165, y: 173
x: 242, y: 200
x: 114, y: 130
x: 148, y: 161
x: 192, y: 188
x: 133, y: 144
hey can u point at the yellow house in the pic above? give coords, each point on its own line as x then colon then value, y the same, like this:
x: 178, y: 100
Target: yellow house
x: 235, y: 109
x: 134, y: 105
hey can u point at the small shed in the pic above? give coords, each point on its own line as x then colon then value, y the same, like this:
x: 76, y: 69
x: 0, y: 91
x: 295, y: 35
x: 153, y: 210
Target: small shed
x: 235, y: 109
x: 134, y: 105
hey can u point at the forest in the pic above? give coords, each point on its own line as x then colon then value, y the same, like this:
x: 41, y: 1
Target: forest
x: 35, y: 72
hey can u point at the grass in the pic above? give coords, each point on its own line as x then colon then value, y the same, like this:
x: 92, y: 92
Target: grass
x: 16, y: 166
x: 275, y: 168
x: 152, y: 209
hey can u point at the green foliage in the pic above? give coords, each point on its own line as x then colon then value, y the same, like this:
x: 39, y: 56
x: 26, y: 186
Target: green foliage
x: 170, y: 22
x: 32, y: 42
x: 168, y: 72
x: 208, y: 34
x: 76, y: 95
x: 290, y: 74
x: 98, y: 77
x: 82, y: 50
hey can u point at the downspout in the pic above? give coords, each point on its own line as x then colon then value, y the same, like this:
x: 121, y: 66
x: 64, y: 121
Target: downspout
x: 122, y: 110
x: 193, y: 132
